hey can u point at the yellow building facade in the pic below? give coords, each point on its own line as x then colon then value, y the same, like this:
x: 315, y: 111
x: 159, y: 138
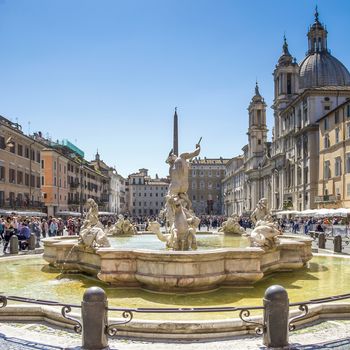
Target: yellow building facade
x: 334, y: 158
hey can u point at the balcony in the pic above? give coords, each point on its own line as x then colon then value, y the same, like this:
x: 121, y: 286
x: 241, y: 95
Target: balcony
x: 74, y: 185
x: 16, y: 204
x: 104, y: 198
x: 73, y: 201
x: 327, y: 199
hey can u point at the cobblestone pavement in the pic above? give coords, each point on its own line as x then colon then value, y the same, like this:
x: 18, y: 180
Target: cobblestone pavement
x: 326, y: 335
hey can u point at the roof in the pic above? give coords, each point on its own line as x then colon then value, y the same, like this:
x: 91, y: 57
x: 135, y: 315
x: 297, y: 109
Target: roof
x: 210, y: 161
x: 322, y: 69
x: 333, y: 110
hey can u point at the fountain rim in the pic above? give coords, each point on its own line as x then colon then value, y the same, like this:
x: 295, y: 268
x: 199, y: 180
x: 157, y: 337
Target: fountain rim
x: 68, y: 240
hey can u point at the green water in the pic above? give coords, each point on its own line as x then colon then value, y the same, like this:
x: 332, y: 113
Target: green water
x: 33, y: 278
x: 204, y: 241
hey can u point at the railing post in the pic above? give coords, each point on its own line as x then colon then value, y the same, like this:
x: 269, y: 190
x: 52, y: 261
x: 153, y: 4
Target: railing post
x: 94, y: 319
x: 337, y: 244
x: 31, y: 242
x: 276, y: 317
x: 14, y: 244
x: 322, y: 240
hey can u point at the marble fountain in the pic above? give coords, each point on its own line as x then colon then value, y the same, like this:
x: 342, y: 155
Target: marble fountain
x: 178, y: 268
x: 181, y: 267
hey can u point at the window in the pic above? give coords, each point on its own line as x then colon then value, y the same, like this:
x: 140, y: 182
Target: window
x: 2, y: 142
x: 259, y: 142
x: 348, y: 130
x: 12, y: 176
x: 38, y: 181
x: 42, y: 181
x: 337, y: 133
x: 326, y: 142
x: 306, y: 175
x: 38, y: 157
x: 26, y: 179
x: 20, y: 177
x: 337, y: 166
x: 201, y: 185
x: 289, y: 83
x: 13, y: 148
x: 20, y: 150
x: 336, y: 117
x: 348, y: 111
x: 259, y: 116
x: 2, y: 173
x: 325, y: 123
x: 305, y: 110
x: 194, y: 185
x: 347, y: 169
x: 327, y: 170
x: 26, y: 152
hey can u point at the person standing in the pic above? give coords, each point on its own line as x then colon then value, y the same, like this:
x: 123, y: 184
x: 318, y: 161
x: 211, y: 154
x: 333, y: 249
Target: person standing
x: 53, y: 228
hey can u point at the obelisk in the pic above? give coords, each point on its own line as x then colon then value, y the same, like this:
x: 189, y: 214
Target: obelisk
x: 176, y: 135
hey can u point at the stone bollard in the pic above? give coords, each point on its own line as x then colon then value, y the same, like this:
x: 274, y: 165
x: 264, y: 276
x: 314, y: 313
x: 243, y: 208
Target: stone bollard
x: 14, y: 244
x: 276, y: 317
x: 337, y: 244
x: 31, y: 242
x: 322, y: 241
x: 94, y: 319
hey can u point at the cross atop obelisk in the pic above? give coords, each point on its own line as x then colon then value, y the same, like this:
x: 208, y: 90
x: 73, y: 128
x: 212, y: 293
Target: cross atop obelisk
x: 176, y: 134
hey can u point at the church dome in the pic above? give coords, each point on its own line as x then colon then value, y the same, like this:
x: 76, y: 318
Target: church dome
x: 322, y: 69
x: 319, y: 67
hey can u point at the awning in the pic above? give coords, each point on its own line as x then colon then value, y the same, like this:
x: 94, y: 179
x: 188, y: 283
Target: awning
x: 68, y: 213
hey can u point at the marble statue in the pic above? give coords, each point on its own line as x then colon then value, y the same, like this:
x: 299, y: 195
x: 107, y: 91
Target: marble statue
x: 91, y: 233
x: 232, y: 226
x: 178, y: 171
x: 180, y: 218
x: 265, y: 234
x: 182, y: 234
x: 123, y: 227
x: 261, y: 211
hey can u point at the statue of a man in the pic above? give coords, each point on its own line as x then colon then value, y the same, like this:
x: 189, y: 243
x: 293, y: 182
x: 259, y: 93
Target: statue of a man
x: 261, y: 211
x: 179, y: 167
x: 92, y: 215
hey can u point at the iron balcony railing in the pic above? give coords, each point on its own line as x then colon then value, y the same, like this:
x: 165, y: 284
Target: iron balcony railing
x: 128, y: 313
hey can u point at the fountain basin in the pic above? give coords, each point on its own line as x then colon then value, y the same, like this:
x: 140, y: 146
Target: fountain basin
x: 177, y: 271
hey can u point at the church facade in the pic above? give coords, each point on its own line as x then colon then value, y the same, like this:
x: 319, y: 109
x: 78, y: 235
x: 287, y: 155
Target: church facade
x: 286, y: 170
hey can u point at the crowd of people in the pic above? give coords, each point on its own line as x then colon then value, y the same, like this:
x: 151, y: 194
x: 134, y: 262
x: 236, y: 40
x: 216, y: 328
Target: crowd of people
x: 304, y: 225
x: 51, y: 226
x: 23, y: 226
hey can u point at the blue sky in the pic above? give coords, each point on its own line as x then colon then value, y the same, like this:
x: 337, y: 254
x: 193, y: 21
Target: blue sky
x: 108, y: 74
